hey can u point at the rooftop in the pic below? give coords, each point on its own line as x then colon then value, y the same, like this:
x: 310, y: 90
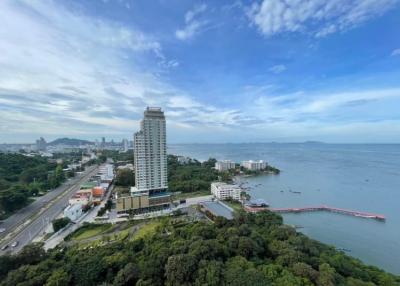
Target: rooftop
x: 218, y: 209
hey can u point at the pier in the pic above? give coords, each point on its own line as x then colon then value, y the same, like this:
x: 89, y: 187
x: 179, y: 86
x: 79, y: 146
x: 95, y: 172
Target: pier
x: 329, y: 209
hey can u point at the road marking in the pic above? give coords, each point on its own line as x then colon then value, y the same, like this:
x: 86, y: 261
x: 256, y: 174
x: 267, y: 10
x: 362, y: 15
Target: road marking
x: 20, y: 228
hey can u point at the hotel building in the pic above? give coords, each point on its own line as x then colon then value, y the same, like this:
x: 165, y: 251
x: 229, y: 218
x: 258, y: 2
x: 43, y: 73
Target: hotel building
x: 254, y: 165
x: 224, y: 165
x: 223, y: 191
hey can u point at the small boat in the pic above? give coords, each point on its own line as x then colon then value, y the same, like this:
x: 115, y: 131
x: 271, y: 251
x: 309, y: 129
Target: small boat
x: 343, y: 249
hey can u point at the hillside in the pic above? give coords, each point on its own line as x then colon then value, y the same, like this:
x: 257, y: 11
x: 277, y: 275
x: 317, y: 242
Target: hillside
x: 249, y: 250
x: 70, y: 142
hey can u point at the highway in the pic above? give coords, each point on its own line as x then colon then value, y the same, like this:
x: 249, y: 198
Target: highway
x: 29, y: 222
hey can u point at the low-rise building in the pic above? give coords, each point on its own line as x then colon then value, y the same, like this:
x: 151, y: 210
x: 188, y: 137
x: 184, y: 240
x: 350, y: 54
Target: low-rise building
x: 83, y: 197
x: 97, y: 195
x: 106, y: 173
x: 73, y: 212
x: 126, y: 166
x: 254, y: 165
x: 224, y: 165
x: 223, y: 191
x: 143, y: 201
x: 183, y: 160
x: 88, y: 186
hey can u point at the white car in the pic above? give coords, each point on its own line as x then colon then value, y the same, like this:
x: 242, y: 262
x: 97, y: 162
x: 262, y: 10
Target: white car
x: 2, y: 229
x: 14, y: 244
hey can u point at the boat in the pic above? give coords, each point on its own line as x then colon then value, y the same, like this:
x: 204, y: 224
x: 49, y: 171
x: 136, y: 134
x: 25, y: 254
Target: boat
x: 343, y: 249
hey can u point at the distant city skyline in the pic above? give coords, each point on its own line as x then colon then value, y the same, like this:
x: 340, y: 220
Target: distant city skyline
x: 222, y: 71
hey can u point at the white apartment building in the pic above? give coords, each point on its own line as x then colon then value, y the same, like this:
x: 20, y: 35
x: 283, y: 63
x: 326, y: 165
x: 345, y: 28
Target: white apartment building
x: 254, y: 165
x: 223, y: 191
x: 73, y: 212
x: 106, y: 172
x: 150, y: 152
x: 224, y: 165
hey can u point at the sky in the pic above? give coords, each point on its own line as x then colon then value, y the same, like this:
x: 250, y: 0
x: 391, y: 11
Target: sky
x: 223, y: 71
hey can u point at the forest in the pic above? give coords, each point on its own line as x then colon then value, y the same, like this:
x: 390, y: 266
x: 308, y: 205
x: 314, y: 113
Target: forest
x: 251, y: 249
x: 23, y: 177
x: 190, y: 176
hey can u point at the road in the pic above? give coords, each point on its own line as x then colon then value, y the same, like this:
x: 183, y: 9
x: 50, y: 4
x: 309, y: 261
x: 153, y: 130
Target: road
x: 29, y: 222
x: 57, y: 238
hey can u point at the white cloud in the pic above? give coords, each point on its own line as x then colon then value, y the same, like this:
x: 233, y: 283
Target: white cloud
x: 193, y: 25
x: 301, y: 106
x: 63, y: 72
x: 189, y: 16
x: 318, y: 17
x: 396, y: 52
x: 277, y: 69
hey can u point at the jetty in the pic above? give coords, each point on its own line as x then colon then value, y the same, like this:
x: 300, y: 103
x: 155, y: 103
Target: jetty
x: 329, y: 209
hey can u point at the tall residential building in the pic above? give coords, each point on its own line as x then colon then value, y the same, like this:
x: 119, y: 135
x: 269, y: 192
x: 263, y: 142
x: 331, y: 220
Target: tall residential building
x: 150, y: 156
x: 150, y: 152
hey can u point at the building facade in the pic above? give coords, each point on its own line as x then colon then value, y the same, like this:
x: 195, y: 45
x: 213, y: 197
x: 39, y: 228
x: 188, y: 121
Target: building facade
x: 73, y: 212
x: 150, y: 152
x: 254, y: 165
x: 224, y: 165
x: 150, y: 156
x: 223, y: 191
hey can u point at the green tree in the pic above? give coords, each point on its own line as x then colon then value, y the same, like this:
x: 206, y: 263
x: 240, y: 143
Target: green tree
x: 58, y: 278
x: 209, y: 273
x: 60, y: 223
x: 125, y: 177
x: 127, y: 275
x: 179, y: 269
x: 326, y: 275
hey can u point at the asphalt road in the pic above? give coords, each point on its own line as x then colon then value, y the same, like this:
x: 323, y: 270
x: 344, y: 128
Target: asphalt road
x: 32, y: 220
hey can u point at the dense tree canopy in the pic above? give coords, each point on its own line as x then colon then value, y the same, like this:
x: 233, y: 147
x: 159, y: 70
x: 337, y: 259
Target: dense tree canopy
x: 22, y: 177
x: 252, y: 249
x: 60, y: 223
x: 125, y: 178
x: 190, y: 176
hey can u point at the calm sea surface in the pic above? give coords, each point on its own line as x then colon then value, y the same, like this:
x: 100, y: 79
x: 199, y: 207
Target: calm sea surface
x: 358, y: 177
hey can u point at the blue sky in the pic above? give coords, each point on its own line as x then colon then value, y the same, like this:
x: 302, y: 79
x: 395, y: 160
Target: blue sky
x: 223, y: 71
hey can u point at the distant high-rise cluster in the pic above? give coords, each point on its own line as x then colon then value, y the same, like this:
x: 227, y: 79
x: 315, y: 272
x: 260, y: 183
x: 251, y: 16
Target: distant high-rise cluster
x: 41, y: 144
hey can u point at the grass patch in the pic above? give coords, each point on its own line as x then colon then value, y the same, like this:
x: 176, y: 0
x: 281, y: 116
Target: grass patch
x: 146, y: 230
x: 89, y: 230
x: 235, y: 205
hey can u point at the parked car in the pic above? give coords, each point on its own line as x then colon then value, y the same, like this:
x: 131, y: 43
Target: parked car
x: 2, y: 229
x: 14, y: 244
x: 4, y: 247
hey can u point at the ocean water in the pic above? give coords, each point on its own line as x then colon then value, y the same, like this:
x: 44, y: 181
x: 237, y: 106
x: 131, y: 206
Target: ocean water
x: 358, y: 177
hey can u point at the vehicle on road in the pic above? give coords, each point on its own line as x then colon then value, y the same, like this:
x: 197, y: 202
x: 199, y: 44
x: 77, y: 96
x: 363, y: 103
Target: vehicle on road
x: 2, y: 229
x: 4, y: 247
x: 14, y: 244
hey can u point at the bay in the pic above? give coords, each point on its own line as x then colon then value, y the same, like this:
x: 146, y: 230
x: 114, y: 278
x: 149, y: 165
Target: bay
x: 363, y: 177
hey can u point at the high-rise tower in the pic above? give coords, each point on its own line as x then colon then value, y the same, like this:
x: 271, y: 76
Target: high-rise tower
x: 150, y: 156
x: 150, y: 152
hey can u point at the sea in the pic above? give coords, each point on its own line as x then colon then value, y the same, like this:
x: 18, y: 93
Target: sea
x: 362, y: 177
